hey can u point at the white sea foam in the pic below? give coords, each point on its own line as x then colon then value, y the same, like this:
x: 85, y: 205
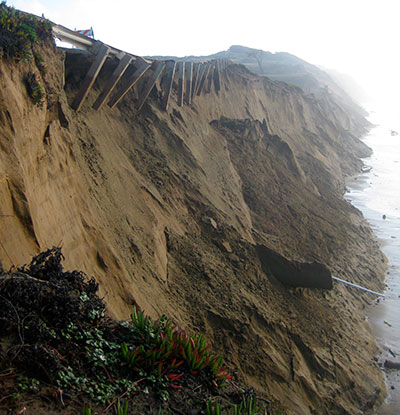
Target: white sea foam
x: 377, y: 194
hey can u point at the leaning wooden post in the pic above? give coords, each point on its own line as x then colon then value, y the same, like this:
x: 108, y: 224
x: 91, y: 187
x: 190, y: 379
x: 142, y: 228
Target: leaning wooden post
x: 90, y: 77
x: 181, y: 82
x: 217, y: 84
x: 189, y: 80
x: 112, y: 82
x: 170, y: 69
x: 202, y: 70
x: 204, y: 78
x: 158, y: 67
x: 141, y: 67
x: 196, y: 72
x: 210, y: 78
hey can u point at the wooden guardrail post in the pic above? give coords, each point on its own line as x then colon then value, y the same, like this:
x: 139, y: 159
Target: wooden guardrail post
x: 112, y: 82
x: 141, y: 67
x: 157, y: 67
x: 196, y: 72
x: 181, y: 82
x: 189, y: 80
x: 217, y: 84
x: 210, y: 78
x: 202, y: 70
x: 91, y: 77
x: 204, y: 78
x: 170, y: 70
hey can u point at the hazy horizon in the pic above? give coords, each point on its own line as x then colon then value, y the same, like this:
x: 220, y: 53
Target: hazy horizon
x: 357, y: 38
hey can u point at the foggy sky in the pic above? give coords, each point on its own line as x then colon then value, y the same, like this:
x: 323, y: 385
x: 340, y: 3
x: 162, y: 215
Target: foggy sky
x: 357, y: 37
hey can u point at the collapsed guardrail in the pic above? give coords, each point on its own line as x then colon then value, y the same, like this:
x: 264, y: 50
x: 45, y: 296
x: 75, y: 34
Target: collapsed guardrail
x: 191, y: 76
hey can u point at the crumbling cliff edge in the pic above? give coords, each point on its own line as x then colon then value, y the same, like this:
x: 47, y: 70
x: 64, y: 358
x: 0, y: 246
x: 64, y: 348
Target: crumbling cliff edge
x: 168, y: 210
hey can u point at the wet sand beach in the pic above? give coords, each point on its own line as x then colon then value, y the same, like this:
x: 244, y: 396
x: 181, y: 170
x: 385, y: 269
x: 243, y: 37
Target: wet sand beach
x: 377, y: 194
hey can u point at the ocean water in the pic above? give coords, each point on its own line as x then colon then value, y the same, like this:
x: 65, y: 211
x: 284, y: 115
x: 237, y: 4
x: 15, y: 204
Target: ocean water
x: 377, y: 194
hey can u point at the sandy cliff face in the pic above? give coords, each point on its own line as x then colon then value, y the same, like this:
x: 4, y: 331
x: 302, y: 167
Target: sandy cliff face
x: 166, y: 210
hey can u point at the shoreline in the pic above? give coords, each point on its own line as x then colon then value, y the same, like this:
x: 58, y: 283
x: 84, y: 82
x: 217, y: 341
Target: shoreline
x: 360, y: 190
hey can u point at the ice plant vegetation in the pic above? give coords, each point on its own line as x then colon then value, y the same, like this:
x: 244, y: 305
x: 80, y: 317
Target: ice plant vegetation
x: 164, y: 348
x: 58, y: 337
x: 34, y: 89
x: 20, y: 33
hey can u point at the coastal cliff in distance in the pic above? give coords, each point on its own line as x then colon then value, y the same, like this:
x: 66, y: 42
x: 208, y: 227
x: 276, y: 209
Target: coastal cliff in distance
x: 174, y: 212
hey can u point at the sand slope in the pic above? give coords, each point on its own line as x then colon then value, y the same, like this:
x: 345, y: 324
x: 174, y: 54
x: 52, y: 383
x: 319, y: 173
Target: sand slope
x: 166, y: 210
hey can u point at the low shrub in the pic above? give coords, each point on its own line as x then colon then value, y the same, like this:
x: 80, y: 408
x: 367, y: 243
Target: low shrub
x: 54, y: 334
x: 34, y: 89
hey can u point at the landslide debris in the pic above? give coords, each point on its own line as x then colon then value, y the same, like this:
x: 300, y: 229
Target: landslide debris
x: 58, y: 349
